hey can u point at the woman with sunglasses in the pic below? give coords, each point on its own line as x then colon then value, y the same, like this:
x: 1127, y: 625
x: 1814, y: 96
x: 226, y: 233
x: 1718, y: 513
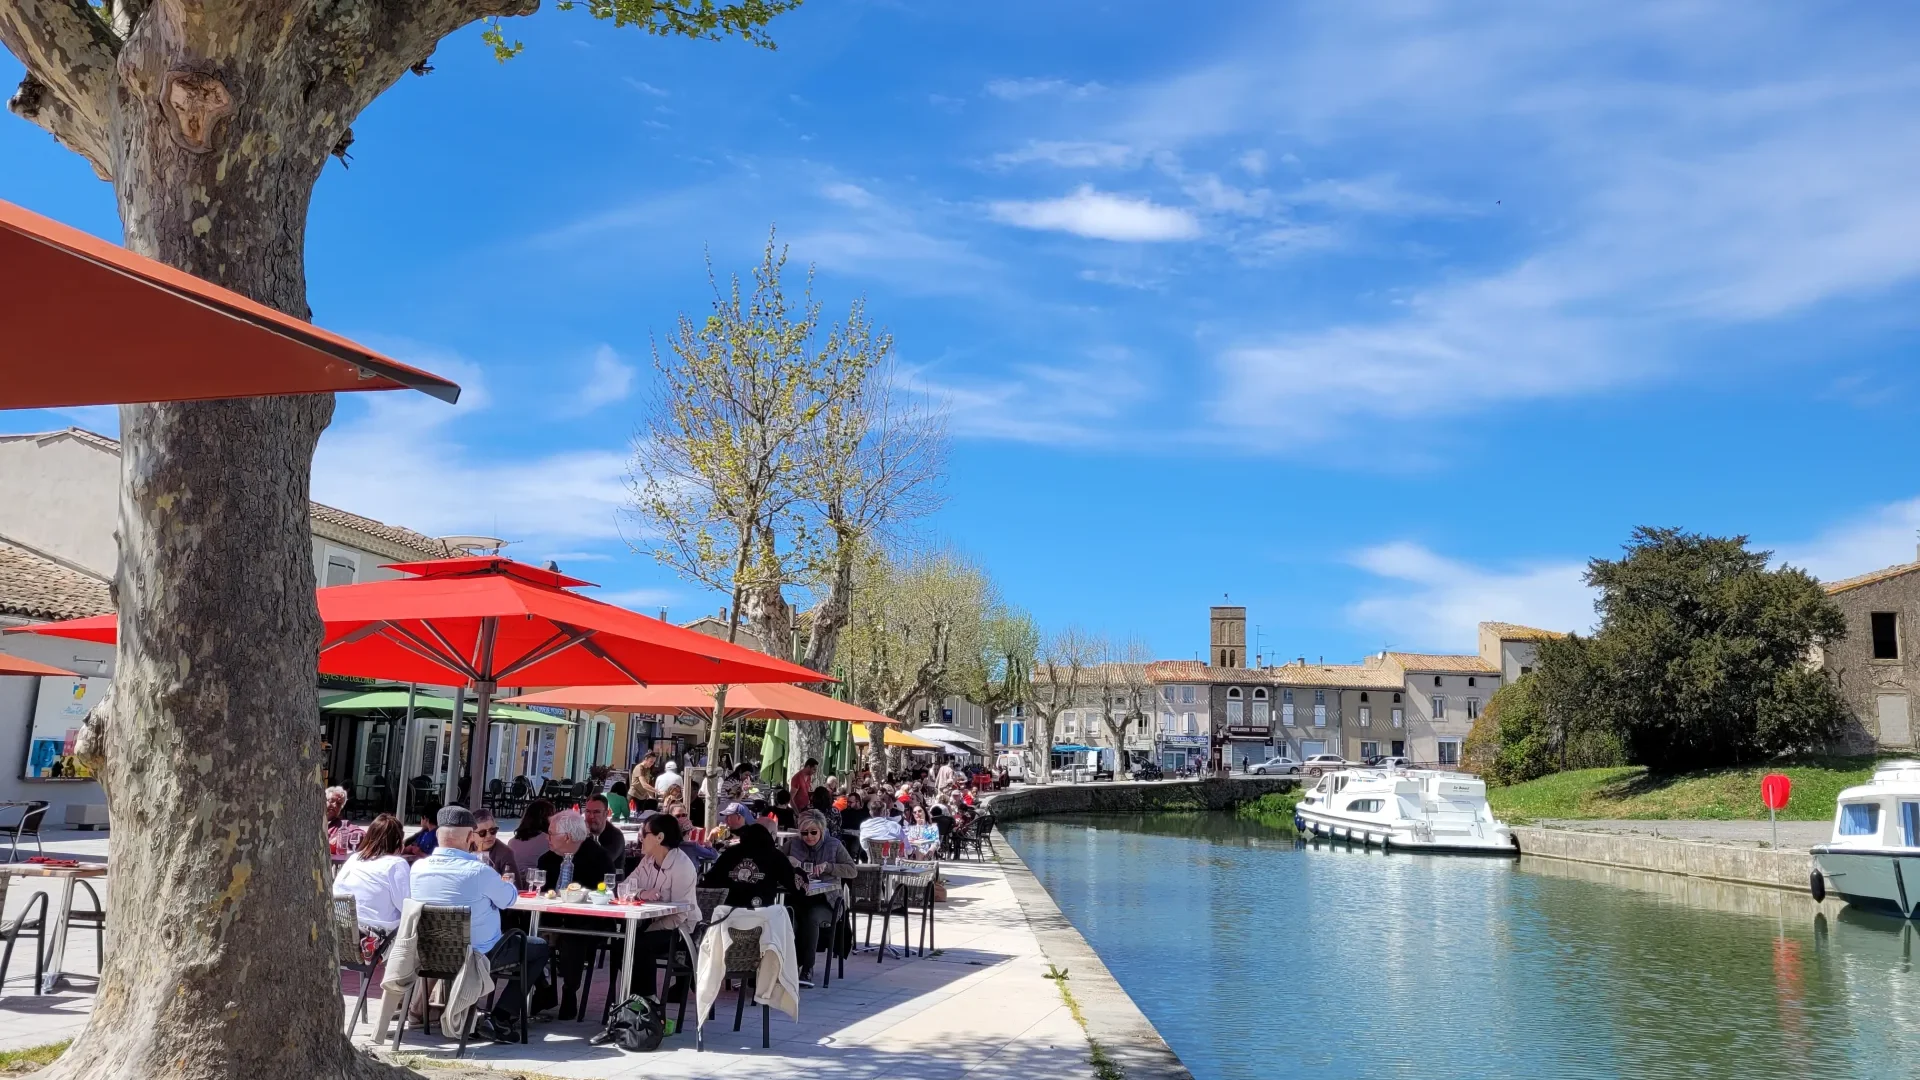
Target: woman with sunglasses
x: 819, y: 856
x: 486, y: 842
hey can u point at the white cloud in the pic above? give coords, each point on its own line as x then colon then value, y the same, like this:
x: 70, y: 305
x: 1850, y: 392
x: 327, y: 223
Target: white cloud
x: 848, y: 194
x: 610, y: 382
x: 1061, y: 404
x: 1885, y: 536
x: 409, y: 460
x: 1100, y: 216
x: 1435, y: 604
x: 1021, y: 89
x: 645, y: 87
x: 1253, y: 162
x: 1368, y: 195
x: 1071, y: 155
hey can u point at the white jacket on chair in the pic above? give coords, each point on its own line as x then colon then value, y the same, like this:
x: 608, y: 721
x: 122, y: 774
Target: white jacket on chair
x: 777, y: 983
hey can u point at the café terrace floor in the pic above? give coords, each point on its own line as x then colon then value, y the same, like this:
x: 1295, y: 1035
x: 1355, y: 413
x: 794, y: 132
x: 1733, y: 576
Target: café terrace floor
x: 980, y: 1008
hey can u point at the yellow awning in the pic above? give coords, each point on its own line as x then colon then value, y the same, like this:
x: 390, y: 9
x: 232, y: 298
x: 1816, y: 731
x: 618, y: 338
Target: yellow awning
x: 905, y: 740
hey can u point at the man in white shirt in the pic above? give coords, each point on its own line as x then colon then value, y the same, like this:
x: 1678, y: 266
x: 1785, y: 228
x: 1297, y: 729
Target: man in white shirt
x: 945, y: 779
x: 668, y: 777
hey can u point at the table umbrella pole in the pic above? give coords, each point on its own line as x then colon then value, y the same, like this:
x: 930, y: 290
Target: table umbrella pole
x: 483, y: 692
x: 406, y: 756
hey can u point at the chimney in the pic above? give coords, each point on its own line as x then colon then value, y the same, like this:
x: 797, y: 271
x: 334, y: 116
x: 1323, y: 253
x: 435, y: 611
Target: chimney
x: 1256, y: 660
x: 723, y: 613
x: 1303, y: 661
x: 663, y: 614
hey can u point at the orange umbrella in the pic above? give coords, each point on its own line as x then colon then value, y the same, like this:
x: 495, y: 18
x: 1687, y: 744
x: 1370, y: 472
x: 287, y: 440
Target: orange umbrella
x: 171, y: 337
x: 745, y: 701
x: 14, y: 665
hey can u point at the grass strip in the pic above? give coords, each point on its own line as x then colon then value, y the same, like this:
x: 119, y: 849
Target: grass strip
x: 1104, y: 1067
x: 33, y: 1058
x: 1632, y: 793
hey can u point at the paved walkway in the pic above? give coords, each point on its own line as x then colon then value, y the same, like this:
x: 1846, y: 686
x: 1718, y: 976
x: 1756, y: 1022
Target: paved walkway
x: 1794, y: 835
x: 979, y: 1008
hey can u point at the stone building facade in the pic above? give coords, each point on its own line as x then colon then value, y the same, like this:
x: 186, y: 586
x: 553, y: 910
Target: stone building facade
x: 1874, y: 665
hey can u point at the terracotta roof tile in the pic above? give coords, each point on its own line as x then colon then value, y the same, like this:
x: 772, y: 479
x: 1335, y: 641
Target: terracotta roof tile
x: 1352, y: 676
x: 33, y: 586
x: 393, y: 534
x: 1869, y: 579
x: 1442, y: 664
x: 1515, y: 632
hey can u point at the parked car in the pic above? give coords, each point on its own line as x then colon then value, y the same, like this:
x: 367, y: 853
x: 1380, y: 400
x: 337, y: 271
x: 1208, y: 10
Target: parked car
x: 1389, y: 761
x: 1324, y: 763
x: 1275, y: 766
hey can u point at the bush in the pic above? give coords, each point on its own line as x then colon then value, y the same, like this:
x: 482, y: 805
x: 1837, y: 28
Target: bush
x: 1517, y: 738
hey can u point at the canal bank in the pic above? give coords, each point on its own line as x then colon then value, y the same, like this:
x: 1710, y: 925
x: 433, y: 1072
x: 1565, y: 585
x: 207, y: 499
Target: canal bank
x: 1737, y: 852
x: 1135, y: 796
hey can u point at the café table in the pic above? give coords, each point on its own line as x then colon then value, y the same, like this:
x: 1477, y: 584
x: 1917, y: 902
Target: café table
x: 902, y: 875
x: 66, y: 875
x: 631, y: 914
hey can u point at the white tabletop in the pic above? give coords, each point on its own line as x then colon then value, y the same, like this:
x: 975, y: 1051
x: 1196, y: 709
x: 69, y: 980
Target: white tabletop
x: 823, y: 887
x: 629, y: 912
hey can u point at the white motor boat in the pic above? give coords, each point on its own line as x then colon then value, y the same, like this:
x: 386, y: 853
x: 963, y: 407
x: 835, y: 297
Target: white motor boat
x: 1873, y: 860
x: 1415, y: 809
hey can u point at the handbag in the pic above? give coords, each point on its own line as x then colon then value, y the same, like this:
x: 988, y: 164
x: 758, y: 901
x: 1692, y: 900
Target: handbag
x: 939, y: 887
x: 635, y: 1025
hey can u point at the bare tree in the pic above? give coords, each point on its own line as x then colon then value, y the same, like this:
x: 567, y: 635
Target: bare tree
x: 910, y: 622
x: 996, y: 678
x: 1056, y: 686
x: 213, y: 122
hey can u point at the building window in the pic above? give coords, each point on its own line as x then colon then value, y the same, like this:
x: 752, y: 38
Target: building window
x: 1526, y: 669
x: 1319, y: 697
x: 1286, y: 713
x: 1262, y: 714
x: 1473, y: 708
x: 1186, y: 695
x: 1439, y: 707
x: 342, y: 569
x: 1166, y: 694
x: 1369, y: 750
x: 1436, y: 680
x: 1366, y: 716
x: 1449, y: 751
x: 1363, y: 695
x: 1396, y: 699
x: 1073, y: 723
x: 1236, y: 712
x: 1399, y: 717
x: 1471, y: 681
x: 1193, y: 725
x: 1233, y: 692
x: 1886, y: 635
x: 1286, y: 696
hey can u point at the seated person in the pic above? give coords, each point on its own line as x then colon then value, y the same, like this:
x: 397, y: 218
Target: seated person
x: 573, y: 856
x: 783, y: 809
x: 752, y: 870
x: 529, y: 839
x: 617, y: 801
x: 819, y: 856
x: 455, y: 876
x: 424, y: 841
x: 880, y: 825
x: 343, y: 836
x: 600, y: 826
x: 693, y: 849
x: 376, y: 876
x: 922, y: 836
x: 663, y: 873
x: 486, y: 842
x: 735, y: 817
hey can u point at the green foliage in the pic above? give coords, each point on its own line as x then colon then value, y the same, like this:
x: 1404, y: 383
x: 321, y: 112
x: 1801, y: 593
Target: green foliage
x: 1274, y: 809
x: 700, y: 19
x: 1632, y: 792
x: 1701, y: 659
x: 1516, y: 739
x: 31, y: 1059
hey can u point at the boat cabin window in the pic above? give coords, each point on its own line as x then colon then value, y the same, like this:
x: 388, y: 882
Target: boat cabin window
x: 1366, y: 806
x: 1339, y: 784
x: 1910, y: 823
x: 1859, y: 819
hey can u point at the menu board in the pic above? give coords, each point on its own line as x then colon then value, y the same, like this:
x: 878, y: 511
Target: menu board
x: 57, y: 717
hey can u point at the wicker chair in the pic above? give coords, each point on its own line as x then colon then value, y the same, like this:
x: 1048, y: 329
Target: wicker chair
x: 351, y: 955
x: 873, y: 893
x: 743, y: 962
x: 27, y: 925
x: 444, y: 940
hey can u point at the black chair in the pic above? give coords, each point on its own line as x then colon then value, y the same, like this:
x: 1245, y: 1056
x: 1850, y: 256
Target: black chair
x: 350, y: 951
x: 517, y: 797
x: 422, y: 800
x: 742, y: 961
x: 444, y: 938
x: 873, y: 893
x: 96, y: 920
x: 495, y: 797
x: 29, y: 825
x: 27, y: 925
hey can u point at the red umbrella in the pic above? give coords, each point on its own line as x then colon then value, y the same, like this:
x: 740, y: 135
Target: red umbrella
x: 765, y: 701
x: 484, y: 620
x: 14, y: 665
x: 172, y: 336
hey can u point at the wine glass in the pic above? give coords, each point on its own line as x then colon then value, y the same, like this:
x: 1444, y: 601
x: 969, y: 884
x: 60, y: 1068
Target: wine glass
x: 612, y: 882
x: 537, y: 878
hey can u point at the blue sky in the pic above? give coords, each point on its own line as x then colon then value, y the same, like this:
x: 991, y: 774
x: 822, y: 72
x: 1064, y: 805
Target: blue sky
x: 1380, y: 318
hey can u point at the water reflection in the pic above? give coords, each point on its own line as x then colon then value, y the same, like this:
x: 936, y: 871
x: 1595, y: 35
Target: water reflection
x: 1257, y: 956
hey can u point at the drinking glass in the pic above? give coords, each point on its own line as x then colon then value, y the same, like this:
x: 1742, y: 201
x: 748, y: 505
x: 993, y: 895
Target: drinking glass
x: 612, y: 880
x: 537, y: 879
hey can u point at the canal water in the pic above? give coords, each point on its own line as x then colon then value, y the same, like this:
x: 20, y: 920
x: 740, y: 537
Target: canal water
x: 1258, y: 957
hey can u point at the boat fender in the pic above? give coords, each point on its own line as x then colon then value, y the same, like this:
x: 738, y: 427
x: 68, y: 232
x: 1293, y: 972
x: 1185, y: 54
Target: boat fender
x: 1817, y: 885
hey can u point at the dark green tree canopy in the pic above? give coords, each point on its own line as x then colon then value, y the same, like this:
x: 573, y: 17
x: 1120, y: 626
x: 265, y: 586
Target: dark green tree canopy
x: 1702, y: 657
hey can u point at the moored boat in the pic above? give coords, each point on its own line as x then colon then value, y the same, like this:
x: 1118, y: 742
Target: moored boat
x: 1873, y: 860
x: 1416, y: 809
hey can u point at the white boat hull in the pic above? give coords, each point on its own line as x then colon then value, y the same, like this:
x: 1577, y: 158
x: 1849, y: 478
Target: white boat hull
x: 1410, y: 836
x: 1881, y: 879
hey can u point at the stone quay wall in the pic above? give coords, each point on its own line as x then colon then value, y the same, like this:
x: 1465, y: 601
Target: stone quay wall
x: 1775, y: 868
x: 1126, y: 796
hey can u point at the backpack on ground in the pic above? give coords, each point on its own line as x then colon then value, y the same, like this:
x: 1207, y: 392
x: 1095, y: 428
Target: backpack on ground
x: 635, y: 1025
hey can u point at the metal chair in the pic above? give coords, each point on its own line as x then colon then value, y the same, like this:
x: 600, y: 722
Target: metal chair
x: 349, y: 950
x: 873, y: 893
x: 27, y: 925
x: 29, y: 825
x: 96, y: 920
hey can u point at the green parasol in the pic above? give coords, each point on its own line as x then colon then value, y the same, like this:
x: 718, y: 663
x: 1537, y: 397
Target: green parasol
x: 773, y: 754
x: 839, y: 752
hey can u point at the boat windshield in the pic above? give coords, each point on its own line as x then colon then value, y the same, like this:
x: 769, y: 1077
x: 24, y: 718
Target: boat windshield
x: 1859, y: 819
x: 1910, y: 823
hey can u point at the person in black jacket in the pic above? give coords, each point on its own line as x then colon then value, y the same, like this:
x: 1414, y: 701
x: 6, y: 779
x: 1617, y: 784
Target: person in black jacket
x: 572, y: 856
x: 753, y: 869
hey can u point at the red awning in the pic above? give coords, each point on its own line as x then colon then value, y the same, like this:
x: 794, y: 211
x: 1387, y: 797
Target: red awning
x: 87, y: 322
x: 749, y: 701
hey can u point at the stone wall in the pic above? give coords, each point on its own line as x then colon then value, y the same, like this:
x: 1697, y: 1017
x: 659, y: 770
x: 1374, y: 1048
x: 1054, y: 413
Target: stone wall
x: 1780, y: 869
x: 1130, y: 797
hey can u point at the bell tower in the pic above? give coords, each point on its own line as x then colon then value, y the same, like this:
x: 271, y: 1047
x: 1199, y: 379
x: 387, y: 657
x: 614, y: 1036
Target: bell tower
x: 1229, y: 637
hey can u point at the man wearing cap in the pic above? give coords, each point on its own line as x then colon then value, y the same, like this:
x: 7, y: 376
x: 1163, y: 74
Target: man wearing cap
x: 457, y: 877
